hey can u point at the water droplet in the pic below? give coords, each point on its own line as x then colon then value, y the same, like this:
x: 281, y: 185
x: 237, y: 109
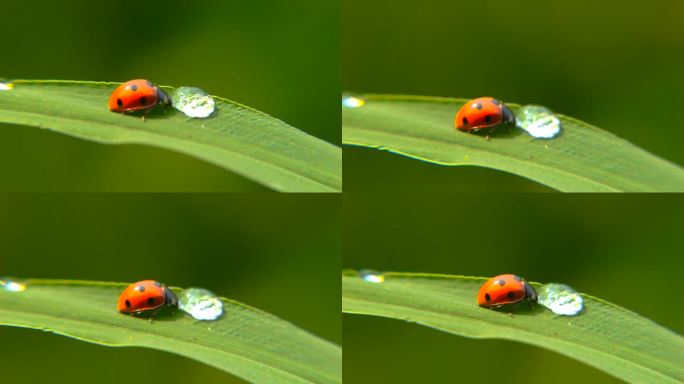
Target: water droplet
x: 371, y: 276
x: 353, y: 102
x: 6, y: 85
x: 200, y: 304
x: 193, y: 102
x: 12, y: 285
x: 539, y: 122
x: 561, y: 299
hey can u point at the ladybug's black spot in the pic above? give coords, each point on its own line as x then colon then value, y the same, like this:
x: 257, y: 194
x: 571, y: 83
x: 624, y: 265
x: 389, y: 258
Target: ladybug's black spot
x: 150, y: 301
x: 149, y: 83
x: 143, y: 101
x: 134, y: 87
x: 487, y: 297
x: 128, y: 304
x: 488, y: 119
x: 500, y: 282
x: 119, y: 103
x: 157, y: 284
x: 511, y: 295
x: 477, y: 106
x: 517, y: 278
x: 465, y: 121
x: 140, y: 288
x: 496, y: 102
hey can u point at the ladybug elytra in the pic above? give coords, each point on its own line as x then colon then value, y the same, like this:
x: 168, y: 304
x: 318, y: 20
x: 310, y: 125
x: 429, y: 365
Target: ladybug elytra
x: 137, y: 95
x: 505, y: 289
x: 481, y: 113
x: 146, y: 297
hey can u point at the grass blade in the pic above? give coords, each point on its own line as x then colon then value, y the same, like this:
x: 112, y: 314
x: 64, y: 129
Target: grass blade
x: 246, y: 342
x: 604, y: 335
x: 582, y: 159
x: 237, y: 138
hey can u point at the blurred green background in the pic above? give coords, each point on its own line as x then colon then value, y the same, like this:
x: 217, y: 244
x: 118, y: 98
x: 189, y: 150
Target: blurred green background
x: 278, y: 255
x: 279, y: 57
x: 614, y: 64
x: 624, y: 249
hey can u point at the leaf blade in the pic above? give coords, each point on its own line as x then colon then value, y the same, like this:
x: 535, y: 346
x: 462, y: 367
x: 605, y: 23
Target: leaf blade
x: 237, y: 138
x: 583, y: 159
x: 247, y: 342
x: 605, y: 336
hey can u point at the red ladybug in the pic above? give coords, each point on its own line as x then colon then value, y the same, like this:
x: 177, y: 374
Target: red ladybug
x: 483, y: 112
x: 146, y: 297
x: 505, y: 289
x: 137, y: 95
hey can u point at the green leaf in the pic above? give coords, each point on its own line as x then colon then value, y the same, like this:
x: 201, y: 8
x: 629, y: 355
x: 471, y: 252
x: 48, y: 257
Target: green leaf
x: 236, y: 137
x: 582, y: 159
x: 246, y: 342
x: 604, y: 335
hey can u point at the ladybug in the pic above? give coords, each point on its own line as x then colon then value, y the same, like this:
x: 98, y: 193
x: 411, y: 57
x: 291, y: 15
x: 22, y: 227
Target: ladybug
x: 505, y: 289
x: 146, y: 297
x: 483, y: 112
x: 138, y: 95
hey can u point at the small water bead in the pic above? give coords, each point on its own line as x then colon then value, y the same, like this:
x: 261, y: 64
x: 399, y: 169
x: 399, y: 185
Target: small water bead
x: 353, y: 102
x: 371, y: 276
x: 12, y: 285
x: 560, y: 299
x: 6, y: 85
x: 539, y: 122
x: 201, y: 304
x: 193, y: 102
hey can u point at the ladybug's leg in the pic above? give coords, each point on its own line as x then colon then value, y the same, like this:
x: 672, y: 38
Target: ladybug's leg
x: 154, y: 314
x: 514, y: 308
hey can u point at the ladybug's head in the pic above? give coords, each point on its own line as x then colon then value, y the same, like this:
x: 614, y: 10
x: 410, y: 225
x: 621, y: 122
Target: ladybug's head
x: 163, y: 98
x: 530, y: 292
x: 171, y: 299
x: 508, y: 115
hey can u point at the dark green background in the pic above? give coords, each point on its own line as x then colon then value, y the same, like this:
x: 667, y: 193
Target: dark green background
x: 615, y: 64
x: 278, y: 255
x: 280, y: 57
x: 624, y: 249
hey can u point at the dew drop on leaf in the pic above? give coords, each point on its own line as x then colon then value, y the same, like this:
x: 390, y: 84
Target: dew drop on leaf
x: 6, y: 85
x: 539, y: 122
x: 353, y: 102
x: 193, y: 102
x: 371, y: 276
x: 12, y: 285
x: 200, y: 303
x: 560, y: 299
